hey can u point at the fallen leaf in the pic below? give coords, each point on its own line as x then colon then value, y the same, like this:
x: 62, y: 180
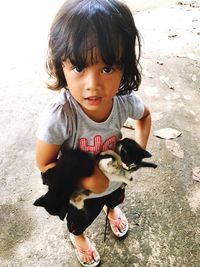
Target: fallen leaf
x: 172, y: 35
x: 159, y: 62
x: 187, y: 3
x: 174, y: 148
x: 191, y: 56
x: 165, y: 80
x: 167, y: 133
x: 196, y: 174
x: 129, y: 124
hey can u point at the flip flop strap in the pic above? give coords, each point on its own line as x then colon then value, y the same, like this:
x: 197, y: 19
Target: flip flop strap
x: 115, y: 222
x: 106, y: 224
x: 89, y: 251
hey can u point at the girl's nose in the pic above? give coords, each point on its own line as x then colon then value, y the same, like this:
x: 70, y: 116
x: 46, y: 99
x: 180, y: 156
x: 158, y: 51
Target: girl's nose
x: 92, y: 82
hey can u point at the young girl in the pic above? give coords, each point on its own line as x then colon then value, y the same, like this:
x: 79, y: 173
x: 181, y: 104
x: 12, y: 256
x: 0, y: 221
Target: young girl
x: 93, y: 56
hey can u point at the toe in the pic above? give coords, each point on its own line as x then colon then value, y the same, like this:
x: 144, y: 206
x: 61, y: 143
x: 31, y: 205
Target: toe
x: 96, y: 256
x: 122, y: 226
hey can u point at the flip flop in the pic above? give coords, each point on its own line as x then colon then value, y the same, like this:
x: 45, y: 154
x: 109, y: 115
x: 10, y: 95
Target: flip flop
x: 82, y: 251
x: 114, y: 223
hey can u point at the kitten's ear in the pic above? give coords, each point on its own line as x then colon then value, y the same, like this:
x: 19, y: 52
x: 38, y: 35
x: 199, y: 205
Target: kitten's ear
x: 41, y: 202
x: 147, y: 154
x: 53, y: 206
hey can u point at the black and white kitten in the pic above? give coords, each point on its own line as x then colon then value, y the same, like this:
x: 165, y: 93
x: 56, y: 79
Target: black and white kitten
x: 132, y: 155
x: 71, y: 167
x: 108, y: 162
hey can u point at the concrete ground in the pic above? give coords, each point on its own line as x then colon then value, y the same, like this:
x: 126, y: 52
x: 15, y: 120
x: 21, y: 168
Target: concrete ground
x: 162, y: 205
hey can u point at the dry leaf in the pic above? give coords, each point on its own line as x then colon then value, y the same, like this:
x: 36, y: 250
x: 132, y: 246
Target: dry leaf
x: 191, y: 56
x: 196, y: 174
x: 165, y: 80
x: 159, y: 62
x: 167, y: 133
x: 129, y: 124
x: 173, y: 35
x: 174, y: 148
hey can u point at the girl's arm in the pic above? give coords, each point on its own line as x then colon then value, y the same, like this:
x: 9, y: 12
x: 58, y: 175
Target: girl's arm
x: 142, y: 128
x: 97, y: 183
x: 46, y: 155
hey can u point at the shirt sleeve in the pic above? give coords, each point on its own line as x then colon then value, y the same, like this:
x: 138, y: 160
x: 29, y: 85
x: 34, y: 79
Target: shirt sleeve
x: 54, y: 125
x: 135, y: 106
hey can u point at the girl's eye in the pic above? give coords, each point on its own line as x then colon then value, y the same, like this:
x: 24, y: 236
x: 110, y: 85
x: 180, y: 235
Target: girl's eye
x: 108, y: 69
x: 78, y: 69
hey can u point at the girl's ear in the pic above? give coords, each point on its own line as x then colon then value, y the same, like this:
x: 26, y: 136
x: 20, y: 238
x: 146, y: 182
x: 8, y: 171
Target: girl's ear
x: 63, y: 64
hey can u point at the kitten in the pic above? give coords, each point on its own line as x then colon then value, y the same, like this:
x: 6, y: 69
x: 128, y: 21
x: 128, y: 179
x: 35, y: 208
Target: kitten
x: 73, y: 165
x: 108, y: 163
x: 132, y: 155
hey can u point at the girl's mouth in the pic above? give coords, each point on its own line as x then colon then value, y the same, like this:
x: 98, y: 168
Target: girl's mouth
x: 93, y: 100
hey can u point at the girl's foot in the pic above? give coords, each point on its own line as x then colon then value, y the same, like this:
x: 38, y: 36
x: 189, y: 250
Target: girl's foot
x: 85, y: 250
x: 118, y: 221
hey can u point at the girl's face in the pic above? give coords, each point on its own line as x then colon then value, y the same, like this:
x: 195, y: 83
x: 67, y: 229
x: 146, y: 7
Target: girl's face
x: 93, y: 86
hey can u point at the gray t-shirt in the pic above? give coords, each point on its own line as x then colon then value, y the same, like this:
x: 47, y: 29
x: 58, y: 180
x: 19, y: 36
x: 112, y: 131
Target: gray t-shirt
x: 64, y: 123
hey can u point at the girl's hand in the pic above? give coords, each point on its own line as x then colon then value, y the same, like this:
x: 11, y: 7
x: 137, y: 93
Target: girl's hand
x: 97, y: 183
x: 49, y: 166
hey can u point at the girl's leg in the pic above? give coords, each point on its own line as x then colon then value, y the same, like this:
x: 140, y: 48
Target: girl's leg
x: 78, y: 221
x: 121, y: 227
x: 113, y: 200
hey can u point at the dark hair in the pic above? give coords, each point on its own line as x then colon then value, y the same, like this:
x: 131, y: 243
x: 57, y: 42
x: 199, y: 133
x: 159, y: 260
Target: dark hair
x: 81, y: 25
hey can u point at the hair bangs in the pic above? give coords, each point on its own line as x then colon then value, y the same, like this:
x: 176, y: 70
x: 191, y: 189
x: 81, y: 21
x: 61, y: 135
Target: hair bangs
x: 87, y: 43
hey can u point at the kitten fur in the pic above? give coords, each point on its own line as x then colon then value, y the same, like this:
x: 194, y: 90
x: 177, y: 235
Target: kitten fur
x: 73, y: 165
